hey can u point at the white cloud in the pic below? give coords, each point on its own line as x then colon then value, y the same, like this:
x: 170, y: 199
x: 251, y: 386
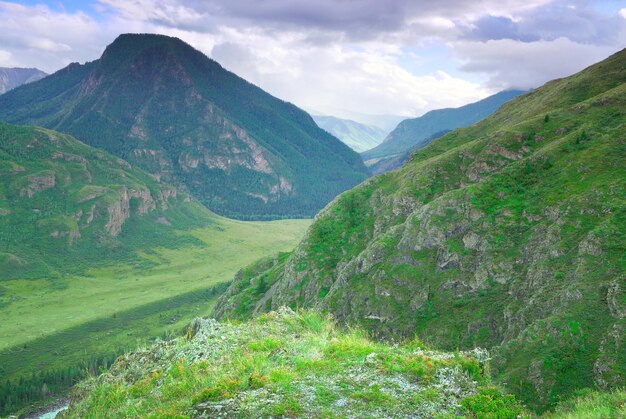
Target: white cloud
x: 6, y: 59
x: 39, y: 37
x: 327, y: 78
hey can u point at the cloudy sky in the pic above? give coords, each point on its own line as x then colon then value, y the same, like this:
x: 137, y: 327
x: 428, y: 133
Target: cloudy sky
x: 341, y: 57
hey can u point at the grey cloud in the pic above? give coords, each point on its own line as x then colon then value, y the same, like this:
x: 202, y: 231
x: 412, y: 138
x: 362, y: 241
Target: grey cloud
x: 513, y: 64
x: 562, y: 19
x: 357, y: 20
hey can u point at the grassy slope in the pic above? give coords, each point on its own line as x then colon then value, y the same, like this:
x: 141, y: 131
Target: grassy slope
x: 510, y: 231
x: 592, y: 405
x: 65, y: 206
x: 286, y: 364
x: 61, y: 261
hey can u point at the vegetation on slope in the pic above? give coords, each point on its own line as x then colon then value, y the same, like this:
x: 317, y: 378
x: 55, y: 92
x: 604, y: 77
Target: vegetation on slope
x: 162, y: 105
x: 287, y: 364
x: 45, y: 368
x: 92, y: 319
x: 592, y: 405
x: 385, y: 164
x: 415, y: 133
x: 84, y: 238
x: 508, y: 234
x: 65, y: 206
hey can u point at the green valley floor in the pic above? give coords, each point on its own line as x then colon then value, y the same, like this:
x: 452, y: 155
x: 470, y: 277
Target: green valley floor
x: 60, y: 326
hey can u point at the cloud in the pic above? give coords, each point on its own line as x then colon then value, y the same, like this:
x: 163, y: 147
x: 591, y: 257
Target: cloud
x: 524, y: 65
x: 38, y: 36
x: 353, y: 19
x: 6, y: 59
x: 578, y: 23
x: 367, y: 56
x: 325, y: 79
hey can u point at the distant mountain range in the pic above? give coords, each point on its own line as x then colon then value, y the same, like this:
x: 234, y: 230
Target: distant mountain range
x: 10, y: 78
x: 412, y: 134
x: 158, y: 103
x: 378, y: 166
x: 359, y: 137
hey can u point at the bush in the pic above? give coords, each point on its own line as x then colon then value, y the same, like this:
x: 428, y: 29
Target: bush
x: 491, y: 403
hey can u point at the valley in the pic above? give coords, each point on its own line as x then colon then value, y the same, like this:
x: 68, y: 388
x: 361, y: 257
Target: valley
x: 179, y: 238
x: 111, y: 309
x: 221, y: 251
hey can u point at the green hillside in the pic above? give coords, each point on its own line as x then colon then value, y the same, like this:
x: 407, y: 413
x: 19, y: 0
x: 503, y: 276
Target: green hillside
x: 415, y: 133
x: 65, y: 206
x: 97, y: 256
x: 162, y: 105
x: 357, y: 136
x: 509, y: 234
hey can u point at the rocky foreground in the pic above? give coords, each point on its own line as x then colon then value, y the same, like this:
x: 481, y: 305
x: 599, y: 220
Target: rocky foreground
x: 290, y: 364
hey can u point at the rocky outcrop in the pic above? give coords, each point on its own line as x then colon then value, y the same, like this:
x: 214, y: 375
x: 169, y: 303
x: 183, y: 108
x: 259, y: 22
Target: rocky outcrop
x: 120, y: 210
x: 37, y: 183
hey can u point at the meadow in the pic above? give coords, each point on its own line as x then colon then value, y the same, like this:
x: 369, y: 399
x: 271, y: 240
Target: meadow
x: 84, y: 321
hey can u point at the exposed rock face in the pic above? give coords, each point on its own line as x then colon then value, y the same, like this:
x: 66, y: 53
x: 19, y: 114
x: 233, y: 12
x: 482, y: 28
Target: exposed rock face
x: 61, y: 196
x: 38, y: 183
x: 120, y: 210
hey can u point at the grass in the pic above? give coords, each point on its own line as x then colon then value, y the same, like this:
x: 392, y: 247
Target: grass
x: 592, y: 405
x: 113, y: 309
x: 107, y: 290
x: 292, y: 365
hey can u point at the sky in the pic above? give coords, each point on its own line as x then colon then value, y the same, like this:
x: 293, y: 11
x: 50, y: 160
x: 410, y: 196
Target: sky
x: 339, y: 57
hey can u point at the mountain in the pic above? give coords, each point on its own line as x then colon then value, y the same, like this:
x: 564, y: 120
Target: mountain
x: 379, y: 166
x: 385, y: 122
x: 162, y: 105
x: 10, y: 78
x: 65, y: 205
x: 414, y: 133
x: 508, y: 235
x: 359, y: 137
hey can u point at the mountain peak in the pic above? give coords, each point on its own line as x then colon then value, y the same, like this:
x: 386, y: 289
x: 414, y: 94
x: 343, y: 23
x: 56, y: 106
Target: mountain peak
x: 127, y: 47
x: 166, y: 107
